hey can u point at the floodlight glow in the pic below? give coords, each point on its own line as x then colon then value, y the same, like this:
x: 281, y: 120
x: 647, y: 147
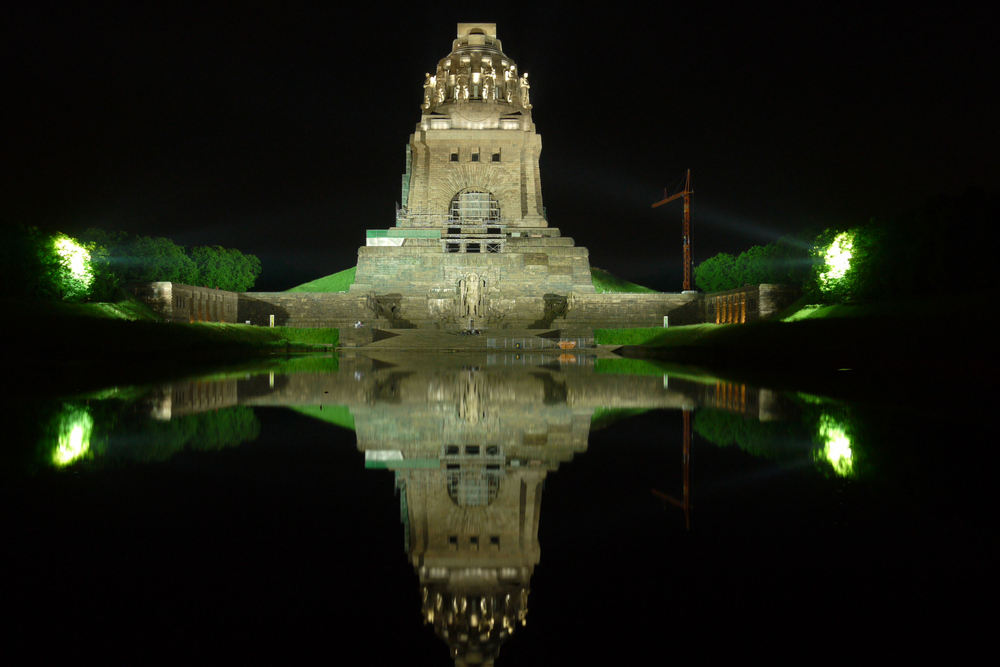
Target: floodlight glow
x: 836, y: 446
x: 837, y: 259
x: 77, y: 259
x: 76, y: 273
x: 73, y: 440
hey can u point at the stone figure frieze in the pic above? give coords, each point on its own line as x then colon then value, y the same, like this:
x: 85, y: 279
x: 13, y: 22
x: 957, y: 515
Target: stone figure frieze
x: 476, y: 77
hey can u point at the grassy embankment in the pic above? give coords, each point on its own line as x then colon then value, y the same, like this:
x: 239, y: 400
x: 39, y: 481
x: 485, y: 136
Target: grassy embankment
x: 604, y: 283
x: 335, y: 282
x: 848, y: 346
x: 607, y: 283
x: 79, y: 346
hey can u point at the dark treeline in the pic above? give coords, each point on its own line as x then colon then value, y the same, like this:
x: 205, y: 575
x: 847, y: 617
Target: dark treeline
x: 146, y: 258
x: 785, y: 262
x: 29, y: 266
x: 32, y: 268
x: 940, y: 246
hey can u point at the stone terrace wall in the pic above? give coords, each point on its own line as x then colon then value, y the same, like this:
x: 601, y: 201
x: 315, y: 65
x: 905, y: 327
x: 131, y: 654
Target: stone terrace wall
x: 187, y: 303
x: 302, y: 309
x: 747, y: 304
x: 630, y: 310
x: 544, y: 265
x: 775, y: 297
x: 568, y: 310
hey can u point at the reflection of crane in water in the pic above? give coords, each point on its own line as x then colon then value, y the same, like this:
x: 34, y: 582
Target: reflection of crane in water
x: 685, y: 502
x: 729, y: 396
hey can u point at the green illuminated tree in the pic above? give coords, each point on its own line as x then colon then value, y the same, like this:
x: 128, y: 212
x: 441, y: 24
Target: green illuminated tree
x: 717, y: 273
x: 847, y: 264
x: 29, y: 266
x: 157, y: 258
x: 225, y: 268
x: 785, y: 262
x: 119, y: 258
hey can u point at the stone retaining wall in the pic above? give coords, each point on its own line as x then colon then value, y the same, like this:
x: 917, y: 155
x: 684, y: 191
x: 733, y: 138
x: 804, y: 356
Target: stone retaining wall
x: 520, y: 270
x: 187, y: 303
x: 568, y: 310
x: 301, y: 309
x: 746, y: 304
x: 630, y: 310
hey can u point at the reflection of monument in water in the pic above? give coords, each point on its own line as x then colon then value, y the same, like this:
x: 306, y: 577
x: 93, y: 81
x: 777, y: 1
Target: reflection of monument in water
x: 470, y: 450
x: 470, y: 440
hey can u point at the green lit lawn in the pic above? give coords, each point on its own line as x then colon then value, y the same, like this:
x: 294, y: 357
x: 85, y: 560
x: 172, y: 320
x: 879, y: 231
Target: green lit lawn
x: 128, y: 309
x: 607, y: 283
x: 624, y: 366
x: 338, y: 415
x: 817, y: 311
x: 604, y: 283
x: 335, y: 282
x: 653, y: 335
x: 604, y: 417
x: 82, y: 347
x: 320, y: 336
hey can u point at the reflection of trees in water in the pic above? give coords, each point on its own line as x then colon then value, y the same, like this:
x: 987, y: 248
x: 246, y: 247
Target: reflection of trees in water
x: 205, y: 431
x: 121, y: 434
x: 822, y: 432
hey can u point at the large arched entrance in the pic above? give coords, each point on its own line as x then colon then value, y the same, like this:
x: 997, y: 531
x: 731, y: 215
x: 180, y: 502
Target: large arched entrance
x: 474, y: 207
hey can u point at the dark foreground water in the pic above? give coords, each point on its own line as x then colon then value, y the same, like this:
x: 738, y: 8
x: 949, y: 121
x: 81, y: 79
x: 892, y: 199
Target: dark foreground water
x: 543, y: 510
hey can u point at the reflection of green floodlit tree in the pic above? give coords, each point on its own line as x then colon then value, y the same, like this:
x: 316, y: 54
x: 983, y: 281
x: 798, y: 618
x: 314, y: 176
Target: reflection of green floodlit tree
x: 75, y: 426
x: 117, y: 433
x: 786, y: 440
x: 150, y: 441
x: 773, y: 440
x: 836, y: 445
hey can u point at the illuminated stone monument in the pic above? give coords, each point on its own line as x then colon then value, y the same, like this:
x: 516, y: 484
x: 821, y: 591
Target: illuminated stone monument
x: 471, y: 242
x: 471, y: 246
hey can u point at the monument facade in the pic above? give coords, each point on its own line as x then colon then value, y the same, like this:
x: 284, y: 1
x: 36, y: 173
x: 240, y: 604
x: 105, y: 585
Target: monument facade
x: 471, y: 246
x: 471, y: 243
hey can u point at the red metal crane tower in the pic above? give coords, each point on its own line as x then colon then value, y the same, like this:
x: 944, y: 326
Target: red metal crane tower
x: 686, y: 193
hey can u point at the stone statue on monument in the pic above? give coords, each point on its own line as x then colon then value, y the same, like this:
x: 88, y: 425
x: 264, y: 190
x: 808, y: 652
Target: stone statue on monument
x: 471, y: 295
x: 428, y: 90
x: 525, y: 88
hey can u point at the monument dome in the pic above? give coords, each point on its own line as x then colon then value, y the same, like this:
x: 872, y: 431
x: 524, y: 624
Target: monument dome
x: 473, y: 157
x: 477, y: 81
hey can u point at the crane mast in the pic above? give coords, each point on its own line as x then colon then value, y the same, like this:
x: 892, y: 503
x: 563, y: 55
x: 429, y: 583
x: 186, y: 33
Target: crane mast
x: 686, y: 194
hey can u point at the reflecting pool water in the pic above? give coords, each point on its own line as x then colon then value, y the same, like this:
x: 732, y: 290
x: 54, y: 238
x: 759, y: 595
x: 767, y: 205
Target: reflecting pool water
x: 524, y: 508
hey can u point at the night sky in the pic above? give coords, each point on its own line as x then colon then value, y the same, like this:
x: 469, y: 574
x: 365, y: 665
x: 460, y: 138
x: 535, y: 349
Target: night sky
x: 280, y: 131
